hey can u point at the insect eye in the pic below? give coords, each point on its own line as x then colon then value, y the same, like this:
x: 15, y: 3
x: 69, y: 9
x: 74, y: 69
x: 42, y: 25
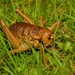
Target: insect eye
x: 49, y: 37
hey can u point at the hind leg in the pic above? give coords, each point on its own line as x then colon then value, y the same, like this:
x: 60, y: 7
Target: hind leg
x: 9, y: 35
x: 25, y: 17
x: 20, y: 49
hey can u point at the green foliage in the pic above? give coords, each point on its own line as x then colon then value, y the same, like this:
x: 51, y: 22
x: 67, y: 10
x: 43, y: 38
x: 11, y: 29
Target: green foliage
x: 60, y: 57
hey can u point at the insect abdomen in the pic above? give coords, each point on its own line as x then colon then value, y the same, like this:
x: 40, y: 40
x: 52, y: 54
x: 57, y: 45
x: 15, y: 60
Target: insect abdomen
x: 25, y: 29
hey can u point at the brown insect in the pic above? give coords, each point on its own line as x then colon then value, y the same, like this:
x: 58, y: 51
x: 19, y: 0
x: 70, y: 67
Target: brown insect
x: 20, y: 33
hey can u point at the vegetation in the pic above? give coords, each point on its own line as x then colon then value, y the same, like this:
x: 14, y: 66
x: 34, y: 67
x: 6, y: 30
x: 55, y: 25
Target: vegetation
x: 60, y: 56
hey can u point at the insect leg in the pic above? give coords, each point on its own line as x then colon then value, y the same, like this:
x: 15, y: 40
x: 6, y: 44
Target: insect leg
x: 9, y: 35
x: 25, y: 17
x: 55, y: 25
x: 41, y: 21
x: 44, y: 56
x: 20, y: 49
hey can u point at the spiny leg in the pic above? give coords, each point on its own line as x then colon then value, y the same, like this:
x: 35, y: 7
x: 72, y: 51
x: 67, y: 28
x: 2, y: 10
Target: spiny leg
x: 9, y: 35
x: 26, y: 17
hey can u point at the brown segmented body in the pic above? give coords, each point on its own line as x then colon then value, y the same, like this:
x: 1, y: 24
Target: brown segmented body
x: 30, y: 33
x: 24, y: 29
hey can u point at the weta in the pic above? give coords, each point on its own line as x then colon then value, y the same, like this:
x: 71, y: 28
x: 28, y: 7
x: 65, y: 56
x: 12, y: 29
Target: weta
x: 20, y: 33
